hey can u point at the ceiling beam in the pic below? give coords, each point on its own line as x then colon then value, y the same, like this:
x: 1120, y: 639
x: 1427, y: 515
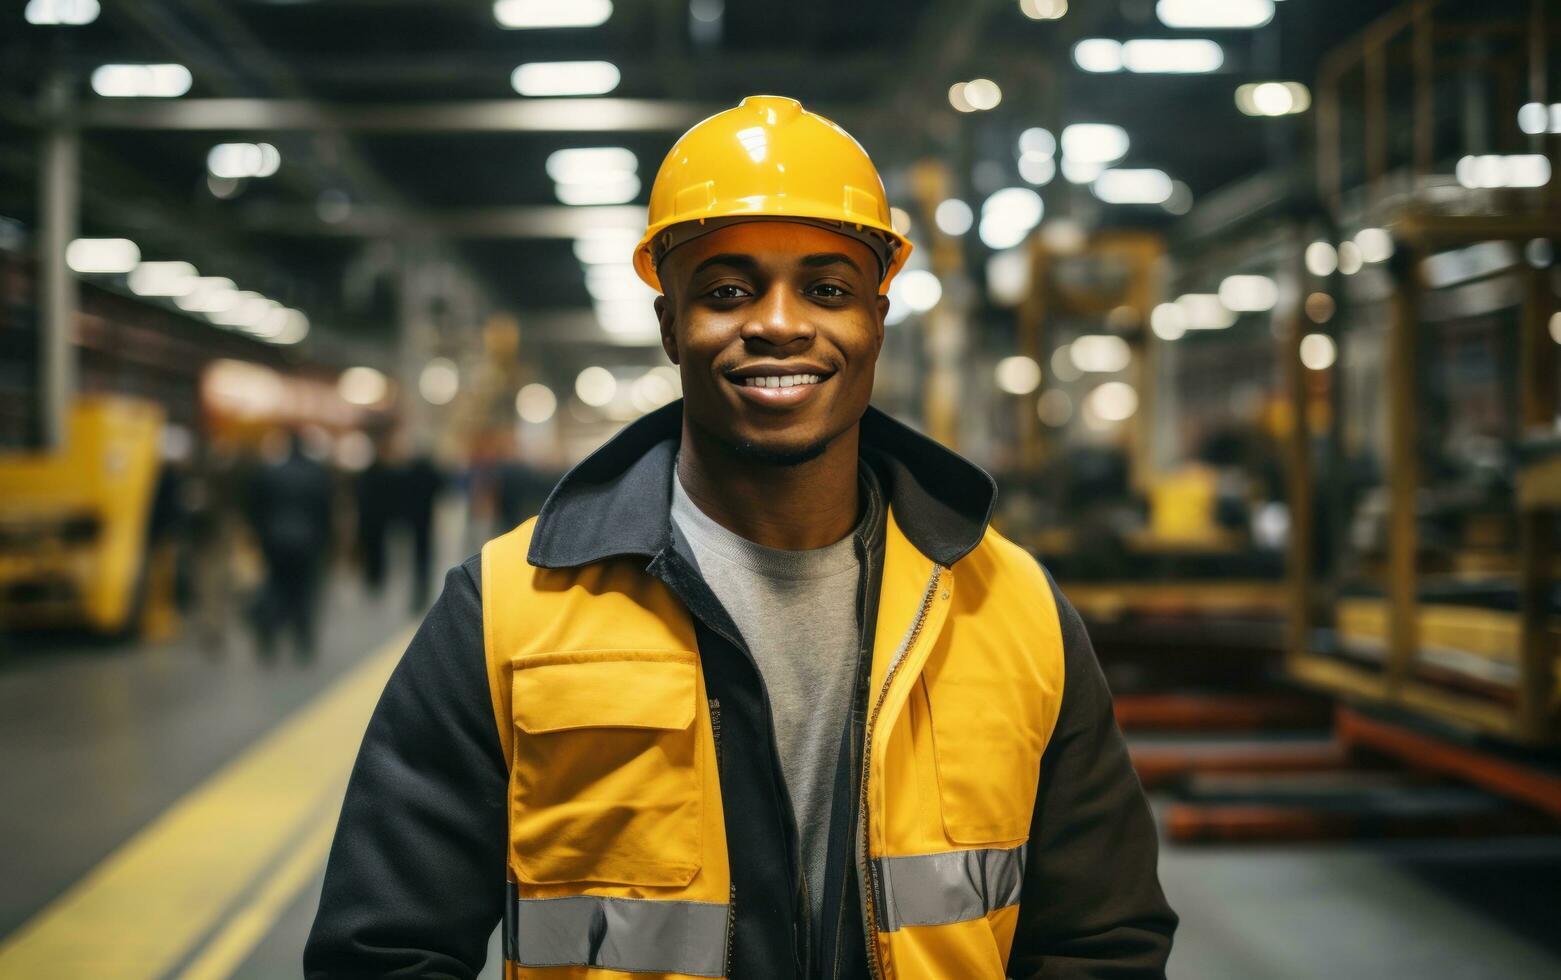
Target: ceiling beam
x: 474, y: 116
x: 370, y: 221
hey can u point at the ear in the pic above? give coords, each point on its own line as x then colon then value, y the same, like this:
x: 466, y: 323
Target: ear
x: 667, y: 321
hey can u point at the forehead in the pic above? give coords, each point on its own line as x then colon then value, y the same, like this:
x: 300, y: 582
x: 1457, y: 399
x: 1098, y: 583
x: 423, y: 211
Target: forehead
x: 776, y: 244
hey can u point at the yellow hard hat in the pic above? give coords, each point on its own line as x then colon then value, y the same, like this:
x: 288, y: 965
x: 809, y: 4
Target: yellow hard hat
x: 768, y: 159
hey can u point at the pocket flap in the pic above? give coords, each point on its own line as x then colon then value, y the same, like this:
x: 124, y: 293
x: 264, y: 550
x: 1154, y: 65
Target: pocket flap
x: 616, y: 689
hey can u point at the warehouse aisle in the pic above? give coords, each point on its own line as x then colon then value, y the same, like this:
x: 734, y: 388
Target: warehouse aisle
x: 105, y: 744
x: 122, y: 756
x: 1389, y: 911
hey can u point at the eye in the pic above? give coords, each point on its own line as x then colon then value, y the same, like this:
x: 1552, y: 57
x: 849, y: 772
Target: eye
x: 727, y: 291
x: 829, y: 290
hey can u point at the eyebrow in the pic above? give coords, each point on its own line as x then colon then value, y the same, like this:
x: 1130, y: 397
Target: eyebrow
x: 829, y: 258
x: 727, y: 258
x: 740, y: 261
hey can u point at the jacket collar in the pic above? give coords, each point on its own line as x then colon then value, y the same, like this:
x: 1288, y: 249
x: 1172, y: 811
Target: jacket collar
x: 618, y: 500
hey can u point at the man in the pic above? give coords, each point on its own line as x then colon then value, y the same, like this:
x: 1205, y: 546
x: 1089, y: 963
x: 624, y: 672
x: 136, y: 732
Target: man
x: 289, y: 503
x: 758, y: 693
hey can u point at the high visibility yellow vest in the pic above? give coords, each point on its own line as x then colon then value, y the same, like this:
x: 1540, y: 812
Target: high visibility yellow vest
x: 617, y: 839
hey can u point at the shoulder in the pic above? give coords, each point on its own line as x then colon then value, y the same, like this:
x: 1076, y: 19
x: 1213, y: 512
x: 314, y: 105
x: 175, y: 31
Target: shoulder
x: 1004, y: 565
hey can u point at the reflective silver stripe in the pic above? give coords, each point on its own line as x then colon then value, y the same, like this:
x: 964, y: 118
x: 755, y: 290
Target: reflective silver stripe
x: 936, y: 889
x: 631, y: 934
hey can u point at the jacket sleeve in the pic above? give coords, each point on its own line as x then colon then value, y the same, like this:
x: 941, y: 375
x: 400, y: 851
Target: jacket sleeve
x: 415, y: 881
x: 1091, y: 906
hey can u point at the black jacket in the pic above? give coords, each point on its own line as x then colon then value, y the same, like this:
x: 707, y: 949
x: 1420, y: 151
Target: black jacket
x: 415, y: 883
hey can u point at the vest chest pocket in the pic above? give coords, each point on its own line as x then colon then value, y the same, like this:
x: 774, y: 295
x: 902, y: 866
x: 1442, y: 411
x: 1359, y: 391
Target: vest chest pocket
x: 608, y: 771
x: 988, y: 744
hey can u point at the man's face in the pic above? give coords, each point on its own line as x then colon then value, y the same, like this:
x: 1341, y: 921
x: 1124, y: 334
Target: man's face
x: 776, y: 327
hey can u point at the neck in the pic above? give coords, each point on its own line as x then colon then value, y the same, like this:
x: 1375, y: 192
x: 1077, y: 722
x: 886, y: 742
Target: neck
x: 798, y: 508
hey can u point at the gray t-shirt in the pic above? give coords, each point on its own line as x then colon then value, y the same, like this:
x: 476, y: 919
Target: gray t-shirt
x: 797, y: 612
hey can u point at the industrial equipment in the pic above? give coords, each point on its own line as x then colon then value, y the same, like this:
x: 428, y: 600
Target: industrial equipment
x: 74, y: 520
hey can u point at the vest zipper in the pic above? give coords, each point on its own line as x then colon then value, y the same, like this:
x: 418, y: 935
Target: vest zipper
x: 869, y: 876
x: 731, y: 928
x: 731, y: 901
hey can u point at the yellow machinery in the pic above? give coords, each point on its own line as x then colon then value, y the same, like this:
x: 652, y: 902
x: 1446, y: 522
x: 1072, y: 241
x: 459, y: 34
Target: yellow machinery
x: 73, y: 521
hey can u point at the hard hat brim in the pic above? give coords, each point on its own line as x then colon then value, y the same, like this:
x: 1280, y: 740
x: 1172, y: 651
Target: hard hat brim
x: 891, y: 248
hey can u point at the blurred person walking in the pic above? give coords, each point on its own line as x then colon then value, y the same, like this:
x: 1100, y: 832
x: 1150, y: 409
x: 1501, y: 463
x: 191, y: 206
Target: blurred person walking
x: 760, y: 693
x: 418, y: 491
x: 377, y: 496
x: 289, y: 507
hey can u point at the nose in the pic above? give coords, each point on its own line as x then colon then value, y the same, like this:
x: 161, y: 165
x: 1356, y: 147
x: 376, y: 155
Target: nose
x: 779, y: 320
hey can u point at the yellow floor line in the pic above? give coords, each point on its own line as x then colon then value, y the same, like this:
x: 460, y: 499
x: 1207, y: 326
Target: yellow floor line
x: 144, y: 908
x: 246, y: 927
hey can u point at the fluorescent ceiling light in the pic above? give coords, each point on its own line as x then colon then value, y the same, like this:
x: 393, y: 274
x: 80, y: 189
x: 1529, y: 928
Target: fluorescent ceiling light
x: 167, y: 81
x: 613, y: 189
x: 1094, y: 143
x: 953, y: 217
x: 1168, y: 321
x: 1491, y: 171
x: 548, y: 78
x: 606, y: 246
x: 584, y: 164
x: 244, y: 309
x: 1018, y: 374
x: 439, y: 381
x: 1008, y: 216
x: 234, y: 161
x: 362, y: 386
x: 1008, y: 276
x: 594, y: 175
x: 212, y: 294
x: 1215, y: 13
x: 1248, y: 294
x: 536, y: 403
x: 295, y: 327
x: 1318, y: 351
x: 1273, y: 98
x: 611, y: 283
x: 1114, y: 401
x: 1172, y: 56
x: 983, y: 94
x: 163, y: 279
x: 1044, y: 9
x: 628, y: 321
x: 919, y: 290
x: 1321, y: 258
x: 532, y: 14
x: 1133, y: 187
x: 61, y: 13
x: 1038, y: 141
x: 1375, y: 244
x: 1535, y: 118
x: 102, y: 255
x: 1036, y: 169
x: 1081, y: 171
x: 1149, y: 55
x: 1204, y: 311
x: 1100, y: 354
x: 596, y: 385
x: 1098, y: 54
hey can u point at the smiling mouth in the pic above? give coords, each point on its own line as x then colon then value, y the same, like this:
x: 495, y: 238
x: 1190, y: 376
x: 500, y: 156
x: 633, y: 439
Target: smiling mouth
x: 780, y: 381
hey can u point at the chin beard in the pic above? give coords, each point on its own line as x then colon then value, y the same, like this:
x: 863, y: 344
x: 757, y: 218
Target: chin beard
x: 758, y: 455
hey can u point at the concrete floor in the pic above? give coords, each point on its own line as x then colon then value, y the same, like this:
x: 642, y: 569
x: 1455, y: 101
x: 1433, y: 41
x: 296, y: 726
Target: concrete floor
x: 95, y: 743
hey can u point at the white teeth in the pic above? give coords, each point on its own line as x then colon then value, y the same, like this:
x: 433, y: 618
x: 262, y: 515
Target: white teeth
x: 782, y: 381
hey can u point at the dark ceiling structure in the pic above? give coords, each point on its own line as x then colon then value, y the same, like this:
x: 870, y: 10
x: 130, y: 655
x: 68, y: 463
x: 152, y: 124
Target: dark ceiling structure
x: 395, y: 120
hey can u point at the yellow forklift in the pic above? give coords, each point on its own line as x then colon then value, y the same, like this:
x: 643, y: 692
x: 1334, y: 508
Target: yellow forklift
x: 74, y: 522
